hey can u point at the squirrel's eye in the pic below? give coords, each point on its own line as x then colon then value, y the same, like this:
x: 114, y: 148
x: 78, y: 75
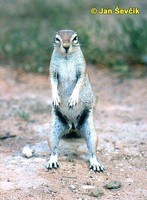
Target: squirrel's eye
x: 57, y: 40
x: 75, y: 39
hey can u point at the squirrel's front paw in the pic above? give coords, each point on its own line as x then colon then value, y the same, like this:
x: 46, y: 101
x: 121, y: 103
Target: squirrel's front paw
x: 56, y: 100
x: 73, y: 100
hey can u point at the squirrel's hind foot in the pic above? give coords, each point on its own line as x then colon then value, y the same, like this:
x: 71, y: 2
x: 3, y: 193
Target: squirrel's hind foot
x: 96, y: 165
x: 52, y: 163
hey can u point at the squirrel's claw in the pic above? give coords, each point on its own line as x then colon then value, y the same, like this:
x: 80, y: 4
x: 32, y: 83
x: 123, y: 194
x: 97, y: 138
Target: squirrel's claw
x: 51, y: 165
x: 70, y: 107
x: 56, y: 100
x: 97, y: 168
x: 73, y: 101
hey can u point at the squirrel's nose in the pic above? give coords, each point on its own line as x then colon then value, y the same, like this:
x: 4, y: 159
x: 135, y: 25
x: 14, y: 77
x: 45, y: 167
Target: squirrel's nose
x: 66, y: 48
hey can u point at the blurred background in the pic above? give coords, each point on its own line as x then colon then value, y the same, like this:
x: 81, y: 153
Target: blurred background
x: 117, y: 42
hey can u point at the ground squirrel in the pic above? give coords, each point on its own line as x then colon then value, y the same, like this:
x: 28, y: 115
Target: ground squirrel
x: 72, y: 97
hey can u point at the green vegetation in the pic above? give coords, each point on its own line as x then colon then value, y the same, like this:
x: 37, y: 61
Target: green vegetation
x: 24, y: 115
x: 28, y: 27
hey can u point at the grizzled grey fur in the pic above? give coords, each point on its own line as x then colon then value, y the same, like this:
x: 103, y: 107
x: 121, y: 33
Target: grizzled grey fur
x: 73, y: 99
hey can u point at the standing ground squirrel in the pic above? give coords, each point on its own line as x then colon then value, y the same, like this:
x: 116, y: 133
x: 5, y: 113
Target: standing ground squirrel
x: 72, y: 97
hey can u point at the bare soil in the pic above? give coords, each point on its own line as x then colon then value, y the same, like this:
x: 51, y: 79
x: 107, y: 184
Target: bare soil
x: 121, y: 123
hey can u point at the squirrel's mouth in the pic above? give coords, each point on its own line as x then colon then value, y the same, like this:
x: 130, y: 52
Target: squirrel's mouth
x: 66, y: 50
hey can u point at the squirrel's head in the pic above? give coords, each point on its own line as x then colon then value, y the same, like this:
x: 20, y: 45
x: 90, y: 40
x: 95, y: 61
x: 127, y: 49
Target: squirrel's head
x: 66, y: 41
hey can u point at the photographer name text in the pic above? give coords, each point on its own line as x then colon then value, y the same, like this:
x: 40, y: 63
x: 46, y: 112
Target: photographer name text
x: 117, y: 11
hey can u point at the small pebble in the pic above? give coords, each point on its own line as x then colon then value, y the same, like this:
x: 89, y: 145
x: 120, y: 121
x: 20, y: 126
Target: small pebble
x: 27, y: 151
x: 96, y: 193
x: 72, y: 187
x: 129, y: 180
x: 113, y: 185
x: 88, y: 183
x: 87, y: 187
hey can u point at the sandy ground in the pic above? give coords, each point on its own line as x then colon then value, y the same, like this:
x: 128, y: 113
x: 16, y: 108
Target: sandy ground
x: 121, y: 123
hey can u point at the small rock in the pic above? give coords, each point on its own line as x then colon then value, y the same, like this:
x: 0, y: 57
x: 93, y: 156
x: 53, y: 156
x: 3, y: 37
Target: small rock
x: 27, y: 151
x: 48, y: 191
x: 96, y: 193
x: 72, y: 187
x: 88, y: 183
x: 129, y: 180
x: 113, y: 185
x: 87, y: 187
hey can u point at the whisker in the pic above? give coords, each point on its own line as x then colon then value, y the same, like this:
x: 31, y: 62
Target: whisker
x: 50, y: 46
